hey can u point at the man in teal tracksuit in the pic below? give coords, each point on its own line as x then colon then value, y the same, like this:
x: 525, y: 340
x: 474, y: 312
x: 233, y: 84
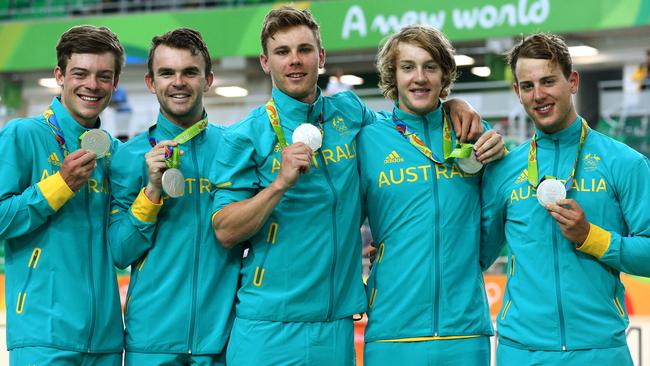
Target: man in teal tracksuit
x: 298, y: 210
x: 304, y: 263
x: 61, y: 291
x: 426, y: 298
x: 180, y: 304
x: 564, y: 302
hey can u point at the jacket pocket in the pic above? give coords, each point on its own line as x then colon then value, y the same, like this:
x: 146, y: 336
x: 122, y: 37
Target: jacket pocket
x: 508, y: 303
x: 31, y: 267
x: 260, y: 270
x: 375, y: 270
x: 504, y: 311
x: 619, y: 307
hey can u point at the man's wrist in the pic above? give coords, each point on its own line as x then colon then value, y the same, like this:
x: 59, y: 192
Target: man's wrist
x: 153, y: 193
x: 278, y: 187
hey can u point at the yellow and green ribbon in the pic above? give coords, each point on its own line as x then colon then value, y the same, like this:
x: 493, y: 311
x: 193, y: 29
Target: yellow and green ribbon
x: 274, y: 118
x: 173, y: 155
x: 460, y: 151
x: 52, y: 121
x: 533, y: 172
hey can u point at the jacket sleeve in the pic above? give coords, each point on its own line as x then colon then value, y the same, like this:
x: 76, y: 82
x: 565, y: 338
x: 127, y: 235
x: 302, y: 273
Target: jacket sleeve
x: 627, y: 252
x: 234, y: 171
x: 366, y: 115
x: 25, y: 205
x: 133, y: 216
x: 493, y: 215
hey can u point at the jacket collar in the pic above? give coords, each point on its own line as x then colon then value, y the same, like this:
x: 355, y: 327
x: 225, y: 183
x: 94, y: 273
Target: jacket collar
x: 293, y: 112
x: 71, y: 128
x: 167, y: 130
x: 570, y: 134
x: 415, y: 122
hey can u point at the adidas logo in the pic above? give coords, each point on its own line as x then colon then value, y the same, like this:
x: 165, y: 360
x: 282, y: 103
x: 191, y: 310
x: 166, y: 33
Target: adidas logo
x: 54, y: 159
x: 522, y: 177
x: 393, y: 157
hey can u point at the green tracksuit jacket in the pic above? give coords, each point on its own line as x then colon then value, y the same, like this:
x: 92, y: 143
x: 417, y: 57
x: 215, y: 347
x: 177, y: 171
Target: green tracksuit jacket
x: 426, y: 282
x: 61, y: 289
x: 562, y: 295
x: 304, y: 264
x: 183, y: 282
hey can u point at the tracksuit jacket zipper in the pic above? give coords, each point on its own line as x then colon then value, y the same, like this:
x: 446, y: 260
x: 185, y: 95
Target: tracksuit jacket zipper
x: 197, y: 249
x: 330, y: 304
x: 436, y: 244
x: 90, y: 269
x: 558, y: 290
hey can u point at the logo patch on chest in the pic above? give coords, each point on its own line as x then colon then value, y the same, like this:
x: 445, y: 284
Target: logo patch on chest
x: 393, y: 157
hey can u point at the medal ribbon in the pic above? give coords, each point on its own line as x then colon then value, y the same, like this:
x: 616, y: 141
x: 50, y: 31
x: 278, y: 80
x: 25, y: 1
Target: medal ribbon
x: 173, y: 155
x: 274, y: 118
x: 460, y: 151
x: 51, y: 120
x: 533, y: 173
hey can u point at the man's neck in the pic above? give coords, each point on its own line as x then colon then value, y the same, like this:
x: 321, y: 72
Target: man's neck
x: 186, y: 122
x: 83, y: 122
x: 555, y: 128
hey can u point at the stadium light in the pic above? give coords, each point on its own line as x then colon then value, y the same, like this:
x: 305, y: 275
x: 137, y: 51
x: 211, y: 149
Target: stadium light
x: 48, y: 83
x: 482, y: 71
x: 582, y: 51
x: 463, y: 60
x: 231, y: 91
x: 351, y: 80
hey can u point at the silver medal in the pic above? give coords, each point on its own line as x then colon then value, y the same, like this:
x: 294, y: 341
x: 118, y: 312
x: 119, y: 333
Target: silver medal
x: 309, y: 135
x: 173, y: 182
x: 96, y: 141
x: 550, y: 191
x: 469, y: 164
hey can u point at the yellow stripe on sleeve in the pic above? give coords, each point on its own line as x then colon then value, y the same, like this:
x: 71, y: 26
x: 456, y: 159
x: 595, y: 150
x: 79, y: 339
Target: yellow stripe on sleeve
x: 145, y: 210
x: 55, y: 190
x: 597, y: 242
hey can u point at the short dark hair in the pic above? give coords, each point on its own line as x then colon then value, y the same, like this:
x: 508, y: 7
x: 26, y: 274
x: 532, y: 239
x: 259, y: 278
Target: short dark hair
x: 89, y: 39
x: 184, y: 39
x: 425, y: 37
x: 544, y: 46
x: 287, y: 17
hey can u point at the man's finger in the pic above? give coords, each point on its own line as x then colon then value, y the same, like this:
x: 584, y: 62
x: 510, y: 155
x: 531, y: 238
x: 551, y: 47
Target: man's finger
x: 465, y: 128
x: 564, y: 212
x: 302, y: 161
x: 568, y: 202
x: 86, y: 158
x: 476, y: 128
x: 165, y: 143
x: 300, y: 147
x: 157, y: 166
x: 157, y: 155
x: 486, y: 142
x: 490, y: 155
x: 559, y: 218
x: 458, y: 130
x: 76, y: 154
x: 482, y: 140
